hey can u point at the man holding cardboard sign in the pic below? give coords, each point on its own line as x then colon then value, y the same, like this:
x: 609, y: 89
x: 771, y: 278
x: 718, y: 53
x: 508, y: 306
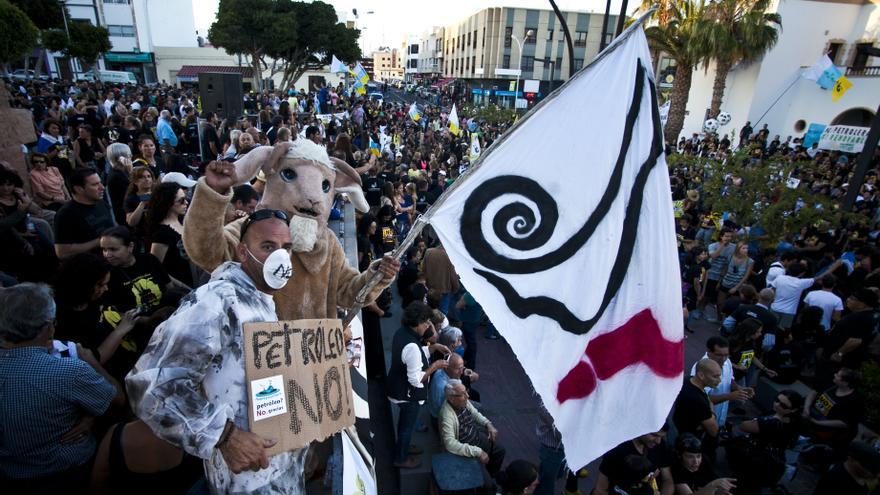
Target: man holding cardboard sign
x: 189, y: 386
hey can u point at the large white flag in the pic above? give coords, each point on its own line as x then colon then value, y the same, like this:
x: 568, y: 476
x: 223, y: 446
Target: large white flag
x: 571, y: 251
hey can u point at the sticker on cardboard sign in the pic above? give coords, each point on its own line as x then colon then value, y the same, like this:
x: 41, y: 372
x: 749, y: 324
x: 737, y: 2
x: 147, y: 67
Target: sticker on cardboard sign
x: 267, y: 397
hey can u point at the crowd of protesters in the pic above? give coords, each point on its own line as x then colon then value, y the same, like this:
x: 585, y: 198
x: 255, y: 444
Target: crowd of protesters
x: 94, y: 262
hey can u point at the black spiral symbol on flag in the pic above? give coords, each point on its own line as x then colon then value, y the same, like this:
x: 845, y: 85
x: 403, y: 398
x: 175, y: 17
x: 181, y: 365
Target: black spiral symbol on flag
x: 524, y: 227
x: 515, y: 224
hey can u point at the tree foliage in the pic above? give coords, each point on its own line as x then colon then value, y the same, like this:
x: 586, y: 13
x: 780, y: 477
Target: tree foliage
x: 300, y: 36
x: 251, y: 28
x: 759, y: 193
x: 734, y: 31
x: 45, y: 14
x: 677, y: 38
x: 18, y: 34
x: 318, y: 35
x: 87, y: 42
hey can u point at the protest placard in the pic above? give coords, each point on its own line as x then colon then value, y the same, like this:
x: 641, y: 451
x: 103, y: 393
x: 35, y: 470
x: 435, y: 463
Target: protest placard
x: 299, y: 388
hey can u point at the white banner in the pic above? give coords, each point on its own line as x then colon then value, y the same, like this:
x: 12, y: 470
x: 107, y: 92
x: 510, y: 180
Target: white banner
x: 847, y: 138
x: 356, y: 476
x: 326, y: 117
x: 576, y: 264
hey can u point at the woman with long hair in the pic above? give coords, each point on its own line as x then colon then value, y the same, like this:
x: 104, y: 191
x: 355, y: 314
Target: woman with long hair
x: 88, y: 151
x: 343, y: 143
x: 388, y: 194
x: 147, y: 156
x: 167, y: 206
x: 138, y: 194
x: 83, y: 318
x: 737, y: 273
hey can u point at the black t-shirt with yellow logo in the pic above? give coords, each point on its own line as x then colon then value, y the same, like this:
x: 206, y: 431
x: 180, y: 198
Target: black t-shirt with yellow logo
x: 138, y: 286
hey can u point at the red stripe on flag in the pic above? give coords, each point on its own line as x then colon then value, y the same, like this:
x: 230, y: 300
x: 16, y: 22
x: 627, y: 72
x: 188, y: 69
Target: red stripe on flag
x: 639, y: 340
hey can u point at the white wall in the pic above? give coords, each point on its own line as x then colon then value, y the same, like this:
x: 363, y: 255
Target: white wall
x: 752, y: 90
x: 165, y: 23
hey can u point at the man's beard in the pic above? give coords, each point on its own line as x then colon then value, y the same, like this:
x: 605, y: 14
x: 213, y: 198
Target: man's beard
x: 303, y: 233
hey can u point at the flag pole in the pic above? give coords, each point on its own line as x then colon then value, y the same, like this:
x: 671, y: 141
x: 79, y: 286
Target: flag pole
x: 423, y: 220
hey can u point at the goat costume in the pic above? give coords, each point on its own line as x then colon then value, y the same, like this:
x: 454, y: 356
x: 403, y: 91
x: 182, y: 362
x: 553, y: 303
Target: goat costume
x: 322, y: 280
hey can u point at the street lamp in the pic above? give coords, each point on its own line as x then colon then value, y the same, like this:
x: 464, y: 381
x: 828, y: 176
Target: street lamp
x: 519, y: 43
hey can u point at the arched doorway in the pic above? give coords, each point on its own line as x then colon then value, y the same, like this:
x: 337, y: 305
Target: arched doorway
x: 860, y: 117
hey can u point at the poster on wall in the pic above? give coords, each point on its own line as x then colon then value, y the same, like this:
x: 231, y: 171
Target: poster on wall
x: 814, y: 132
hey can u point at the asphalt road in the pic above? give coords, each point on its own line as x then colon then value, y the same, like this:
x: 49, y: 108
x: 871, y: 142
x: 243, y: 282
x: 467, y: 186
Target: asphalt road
x: 394, y: 95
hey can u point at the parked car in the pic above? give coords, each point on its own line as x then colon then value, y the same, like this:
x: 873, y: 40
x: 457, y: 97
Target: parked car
x: 22, y: 75
x: 377, y: 97
x: 86, y: 76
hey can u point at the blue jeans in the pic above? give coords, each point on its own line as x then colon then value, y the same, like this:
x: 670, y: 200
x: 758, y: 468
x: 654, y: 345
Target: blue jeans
x: 446, y: 302
x: 406, y: 425
x: 550, y: 470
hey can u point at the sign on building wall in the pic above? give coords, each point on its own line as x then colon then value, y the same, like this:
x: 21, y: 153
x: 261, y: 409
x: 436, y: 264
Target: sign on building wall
x: 846, y: 138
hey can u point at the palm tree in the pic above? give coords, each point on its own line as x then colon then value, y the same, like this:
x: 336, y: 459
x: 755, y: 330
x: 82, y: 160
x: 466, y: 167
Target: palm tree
x: 735, y: 31
x: 677, y: 38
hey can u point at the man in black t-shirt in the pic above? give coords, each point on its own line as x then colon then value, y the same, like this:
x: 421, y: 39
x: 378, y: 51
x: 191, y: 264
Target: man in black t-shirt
x: 79, y: 223
x: 834, y: 415
x: 847, y: 344
x: 693, y: 409
x: 613, y: 469
x: 211, y: 145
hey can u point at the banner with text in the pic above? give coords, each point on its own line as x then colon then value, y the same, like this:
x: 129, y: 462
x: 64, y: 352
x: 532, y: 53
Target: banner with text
x: 299, y: 387
x: 846, y: 138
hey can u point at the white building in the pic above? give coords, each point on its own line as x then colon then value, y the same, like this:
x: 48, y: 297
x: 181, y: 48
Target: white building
x: 430, y: 60
x: 411, y: 67
x: 771, y: 91
x: 137, y: 28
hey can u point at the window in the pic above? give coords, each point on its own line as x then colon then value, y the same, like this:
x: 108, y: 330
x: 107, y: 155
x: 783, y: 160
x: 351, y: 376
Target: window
x: 528, y: 63
x: 475, y: 39
x: 578, y: 63
x: 474, y: 62
x: 506, y: 63
x: 468, y: 42
x: 121, y: 31
x: 558, y: 63
x: 530, y: 40
x: 550, y: 35
x: 580, y: 38
x: 861, y: 58
x: 834, y: 51
x: 508, y: 32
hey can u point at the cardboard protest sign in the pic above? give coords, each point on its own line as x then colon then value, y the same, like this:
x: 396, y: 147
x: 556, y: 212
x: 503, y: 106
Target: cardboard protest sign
x: 299, y: 387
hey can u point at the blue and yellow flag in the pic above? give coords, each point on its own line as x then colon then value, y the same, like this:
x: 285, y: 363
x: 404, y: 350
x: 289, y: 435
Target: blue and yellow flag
x: 414, y: 113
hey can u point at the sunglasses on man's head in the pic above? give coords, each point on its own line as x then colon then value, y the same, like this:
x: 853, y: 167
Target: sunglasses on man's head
x: 263, y: 215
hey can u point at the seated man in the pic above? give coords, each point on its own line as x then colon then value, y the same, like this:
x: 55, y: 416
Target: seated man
x: 49, y: 401
x: 455, y: 370
x: 466, y: 432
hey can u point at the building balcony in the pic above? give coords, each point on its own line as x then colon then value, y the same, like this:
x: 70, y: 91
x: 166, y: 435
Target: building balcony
x: 870, y: 71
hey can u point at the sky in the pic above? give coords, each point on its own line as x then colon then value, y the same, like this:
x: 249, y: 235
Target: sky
x: 392, y: 21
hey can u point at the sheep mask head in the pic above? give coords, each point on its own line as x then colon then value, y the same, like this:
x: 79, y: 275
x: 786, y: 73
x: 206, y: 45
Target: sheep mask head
x: 302, y: 181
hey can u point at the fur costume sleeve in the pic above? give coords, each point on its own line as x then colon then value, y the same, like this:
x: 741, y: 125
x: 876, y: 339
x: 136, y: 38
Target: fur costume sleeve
x: 351, y: 281
x: 206, y: 241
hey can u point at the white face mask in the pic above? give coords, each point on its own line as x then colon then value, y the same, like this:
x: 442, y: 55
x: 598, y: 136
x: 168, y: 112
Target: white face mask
x: 277, y: 269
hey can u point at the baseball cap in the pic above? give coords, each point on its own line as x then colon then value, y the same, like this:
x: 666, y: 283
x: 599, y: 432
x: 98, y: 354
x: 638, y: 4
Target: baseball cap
x: 179, y: 179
